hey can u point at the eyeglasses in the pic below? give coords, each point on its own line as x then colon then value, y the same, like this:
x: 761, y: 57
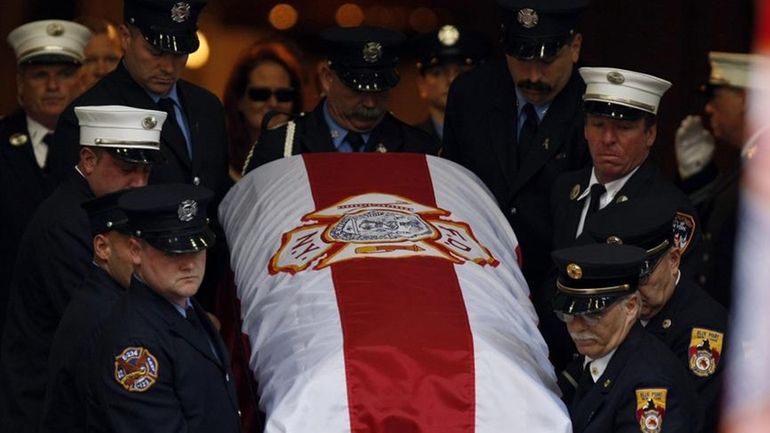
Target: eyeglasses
x: 261, y: 94
x: 590, y: 319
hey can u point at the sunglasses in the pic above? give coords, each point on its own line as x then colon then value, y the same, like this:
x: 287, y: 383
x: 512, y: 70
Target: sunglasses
x: 261, y: 94
x: 590, y: 319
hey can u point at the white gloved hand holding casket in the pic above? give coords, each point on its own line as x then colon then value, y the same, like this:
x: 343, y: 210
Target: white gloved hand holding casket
x: 381, y: 294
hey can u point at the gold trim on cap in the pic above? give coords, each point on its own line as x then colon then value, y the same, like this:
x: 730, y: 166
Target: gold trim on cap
x: 608, y: 98
x: 590, y: 290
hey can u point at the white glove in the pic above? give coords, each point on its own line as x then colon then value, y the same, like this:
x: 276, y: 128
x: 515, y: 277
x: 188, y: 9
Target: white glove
x: 694, y: 146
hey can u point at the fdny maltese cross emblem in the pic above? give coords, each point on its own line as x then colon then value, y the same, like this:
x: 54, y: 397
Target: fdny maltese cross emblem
x: 136, y: 369
x: 180, y: 12
x: 376, y: 226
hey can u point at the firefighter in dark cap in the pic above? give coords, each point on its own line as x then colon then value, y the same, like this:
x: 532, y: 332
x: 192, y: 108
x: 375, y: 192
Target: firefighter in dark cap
x: 674, y: 309
x: 160, y: 364
x: 157, y: 36
x: 517, y: 121
x: 106, y: 281
x: 357, y: 78
x: 442, y: 55
x: 629, y: 381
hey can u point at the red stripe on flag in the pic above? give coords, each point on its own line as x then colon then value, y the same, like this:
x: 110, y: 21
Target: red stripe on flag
x: 407, y: 341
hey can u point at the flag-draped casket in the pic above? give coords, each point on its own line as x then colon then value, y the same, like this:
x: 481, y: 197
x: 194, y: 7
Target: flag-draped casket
x: 381, y: 293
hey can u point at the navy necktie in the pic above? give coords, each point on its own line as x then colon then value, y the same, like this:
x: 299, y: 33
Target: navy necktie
x: 174, y: 129
x: 528, y: 131
x: 597, y: 190
x: 355, y: 140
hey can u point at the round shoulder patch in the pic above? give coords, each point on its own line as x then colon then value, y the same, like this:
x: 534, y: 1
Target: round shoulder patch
x: 136, y: 369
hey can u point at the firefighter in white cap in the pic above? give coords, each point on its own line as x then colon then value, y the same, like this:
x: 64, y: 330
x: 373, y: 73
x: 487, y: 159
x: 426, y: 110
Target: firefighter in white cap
x: 48, y: 55
x: 118, y: 145
x: 621, y: 126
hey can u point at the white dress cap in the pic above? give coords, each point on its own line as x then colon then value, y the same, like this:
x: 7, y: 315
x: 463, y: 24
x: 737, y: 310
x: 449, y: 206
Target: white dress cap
x: 622, y: 87
x: 118, y: 126
x: 734, y: 69
x: 49, y: 41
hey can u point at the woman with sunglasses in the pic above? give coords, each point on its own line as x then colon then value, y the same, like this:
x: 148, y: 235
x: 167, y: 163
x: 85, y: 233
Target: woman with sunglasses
x: 266, y: 77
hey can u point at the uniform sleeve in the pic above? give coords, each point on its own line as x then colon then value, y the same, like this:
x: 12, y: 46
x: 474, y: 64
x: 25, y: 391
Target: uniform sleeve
x: 135, y: 388
x: 64, y: 153
x: 657, y: 405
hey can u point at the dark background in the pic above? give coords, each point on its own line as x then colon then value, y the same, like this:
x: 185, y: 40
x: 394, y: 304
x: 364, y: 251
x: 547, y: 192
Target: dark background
x: 666, y: 38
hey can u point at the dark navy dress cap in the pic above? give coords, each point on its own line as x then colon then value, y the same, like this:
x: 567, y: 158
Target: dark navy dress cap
x: 450, y: 45
x: 105, y: 215
x: 365, y: 58
x: 170, y: 217
x: 592, y: 277
x: 169, y: 25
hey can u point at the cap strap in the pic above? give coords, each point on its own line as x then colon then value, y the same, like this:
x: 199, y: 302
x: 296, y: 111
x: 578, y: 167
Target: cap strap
x: 655, y: 250
x: 591, y: 291
x: 108, y: 141
x: 628, y: 102
x: 50, y: 49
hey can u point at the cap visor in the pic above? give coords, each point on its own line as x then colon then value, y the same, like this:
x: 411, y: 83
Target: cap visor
x: 138, y: 156
x: 370, y: 81
x: 179, y: 43
x: 616, y: 111
x: 182, y: 243
x: 535, y: 49
x: 50, y: 59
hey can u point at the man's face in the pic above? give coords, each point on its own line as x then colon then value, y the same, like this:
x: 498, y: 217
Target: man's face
x: 617, y: 146
x: 153, y: 69
x: 604, y: 333
x: 657, y: 288
x: 540, y: 81
x: 106, y: 173
x: 726, y: 110
x: 434, y: 82
x: 353, y: 110
x: 102, y: 54
x: 176, y: 277
x: 46, y: 90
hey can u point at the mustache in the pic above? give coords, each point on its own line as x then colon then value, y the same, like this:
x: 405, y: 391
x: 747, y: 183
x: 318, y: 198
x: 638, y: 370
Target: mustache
x: 537, y: 86
x: 366, y: 113
x: 585, y: 335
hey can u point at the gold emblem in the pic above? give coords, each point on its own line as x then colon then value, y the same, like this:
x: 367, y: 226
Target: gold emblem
x: 574, y: 271
x: 621, y: 199
x: 705, y: 351
x: 381, y: 148
x: 55, y: 29
x: 666, y: 324
x: 527, y: 18
x: 149, y: 122
x: 18, y: 139
x: 575, y: 192
x: 614, y: 240
x: 372, y: 52
x: 180, y: 12
x: 615, y: 77
x: 448, y: 35
x: 607, y: 383
x: 650, y: 409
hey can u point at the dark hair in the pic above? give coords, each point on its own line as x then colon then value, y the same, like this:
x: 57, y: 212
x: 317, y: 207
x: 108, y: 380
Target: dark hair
x: 257, y: 54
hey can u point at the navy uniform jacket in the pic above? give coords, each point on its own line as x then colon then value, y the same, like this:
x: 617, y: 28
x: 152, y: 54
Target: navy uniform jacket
x: 480, y: 134
x: 647, y: 181
x: 312, y: 135
x: 23, y: 186
x: 65, y: 403
x: 640, y: 362
x: 692, y: 308
x: 209, y: 165
x: 55, y: 254
x: 185, y: 387
x: 715, y: 195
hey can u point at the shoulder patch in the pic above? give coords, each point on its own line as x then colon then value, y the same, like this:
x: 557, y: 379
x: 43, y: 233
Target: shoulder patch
x: 704, y: 351
x: 650, y: 409
x: 136, y: 369
x: 684, y: 229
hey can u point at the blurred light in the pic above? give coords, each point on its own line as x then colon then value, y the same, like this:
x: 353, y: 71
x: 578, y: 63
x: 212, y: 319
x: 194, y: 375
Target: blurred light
x: 423, y: 20
x: 199, y: 58
x: 378, y: 16
x: 349, y: 15
x: 283, y: 16
x: 398, y: 17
